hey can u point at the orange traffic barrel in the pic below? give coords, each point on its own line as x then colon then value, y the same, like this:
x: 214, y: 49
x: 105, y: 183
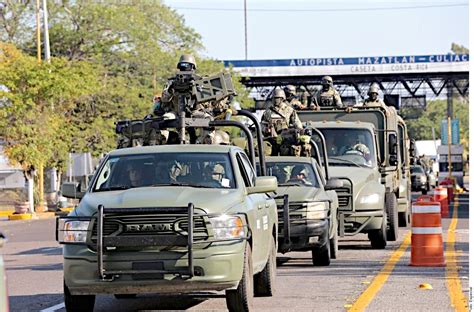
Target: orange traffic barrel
x: 426, y: 233
x: 441, y: 196
x: 448, y: 183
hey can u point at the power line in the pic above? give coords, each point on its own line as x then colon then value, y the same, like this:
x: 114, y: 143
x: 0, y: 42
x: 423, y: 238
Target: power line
x: 329, y: 9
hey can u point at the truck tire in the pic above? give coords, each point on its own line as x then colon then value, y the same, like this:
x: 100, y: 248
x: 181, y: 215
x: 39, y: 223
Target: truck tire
x: 334, y: 246
x: 264, y: 282
x: 322, y: 254
x: 78, y: 303
x: 392, y: 216
x: 240, y: 299
x: 403, y: 219
x: 424, y: 191
x: 378, y: 238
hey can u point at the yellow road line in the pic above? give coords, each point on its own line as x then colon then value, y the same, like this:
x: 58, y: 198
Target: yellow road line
x: 458, y: 299
x: 368, y: 295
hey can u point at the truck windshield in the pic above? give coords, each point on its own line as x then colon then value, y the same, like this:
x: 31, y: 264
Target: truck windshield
x: 416, y: 170
x: 292, y: 173
x: 349, y: 147
x: 202, y: 170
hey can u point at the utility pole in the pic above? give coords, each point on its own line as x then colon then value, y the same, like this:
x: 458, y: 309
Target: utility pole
x: 38, y: 31
x: 245, y: 26
x: 47, y: 53
x: 449, y: 115
x: 47, y: 57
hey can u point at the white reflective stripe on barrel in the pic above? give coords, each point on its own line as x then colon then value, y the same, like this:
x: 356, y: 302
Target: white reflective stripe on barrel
x: 444, y: 191
x: 427, y: 230
x: 426, y: 209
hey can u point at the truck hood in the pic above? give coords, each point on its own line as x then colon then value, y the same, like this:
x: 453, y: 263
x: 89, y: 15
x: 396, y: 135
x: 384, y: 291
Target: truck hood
x: 299, y: 193
x: 358, y: 176
x: 207, y: 199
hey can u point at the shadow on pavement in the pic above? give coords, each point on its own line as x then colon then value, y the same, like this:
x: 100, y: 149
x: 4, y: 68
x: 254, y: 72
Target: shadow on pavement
x: 41, y: 267
x: 34, y: 302
x: 45, y: 251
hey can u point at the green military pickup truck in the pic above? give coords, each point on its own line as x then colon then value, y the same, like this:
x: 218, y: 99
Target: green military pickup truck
x: 313, y: 224
x: 171, y: 219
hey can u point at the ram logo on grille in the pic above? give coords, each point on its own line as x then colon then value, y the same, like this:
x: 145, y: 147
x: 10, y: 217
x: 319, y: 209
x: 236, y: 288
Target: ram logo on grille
x: 147, y: 227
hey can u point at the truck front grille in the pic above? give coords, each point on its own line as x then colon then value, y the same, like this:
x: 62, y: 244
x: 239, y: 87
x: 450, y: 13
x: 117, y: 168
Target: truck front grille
x: 150, y: 224
x: 344, y: 198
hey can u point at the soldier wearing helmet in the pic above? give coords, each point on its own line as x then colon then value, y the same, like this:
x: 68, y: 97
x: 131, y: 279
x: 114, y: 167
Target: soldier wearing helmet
x: 186, y: 63
x: 169, y: 100
x: 291, y: 98
x: 279, y: 115
x: 213, y: 175
x: 328, y: 95
x: 373, y: 94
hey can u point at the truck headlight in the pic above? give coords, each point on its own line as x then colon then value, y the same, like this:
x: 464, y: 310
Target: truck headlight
x: 370, y: 199
x: 227, y: 227
x: 402, y: 188
x: 316, y: 211
x: 73, y: 231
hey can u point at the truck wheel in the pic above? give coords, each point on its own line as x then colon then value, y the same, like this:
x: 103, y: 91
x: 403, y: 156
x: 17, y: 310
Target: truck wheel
x: 403, y: 219
x: 78, y: 303
x: 424, y: 191
x: 322, y: 254
x: 264, y: 282
x: 240, y: 299
x: 378, y: 238
x: 334, y: 246
x: 392, y: 216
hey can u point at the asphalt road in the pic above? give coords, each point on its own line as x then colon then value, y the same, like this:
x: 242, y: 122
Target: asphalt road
x: 34, y: 270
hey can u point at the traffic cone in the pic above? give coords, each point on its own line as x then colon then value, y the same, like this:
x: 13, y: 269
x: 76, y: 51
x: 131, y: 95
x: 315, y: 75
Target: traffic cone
x: 427, y: 233
x: 441, y: 196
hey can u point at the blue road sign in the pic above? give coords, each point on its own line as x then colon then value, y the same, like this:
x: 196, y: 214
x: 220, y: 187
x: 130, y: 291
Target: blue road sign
x: 454, y: 131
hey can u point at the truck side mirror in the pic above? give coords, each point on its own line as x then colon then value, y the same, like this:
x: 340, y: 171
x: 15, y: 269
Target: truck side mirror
x: 392, y: 144
x: 393, y: 160
x: 72, y: 190
x: 333, y: 184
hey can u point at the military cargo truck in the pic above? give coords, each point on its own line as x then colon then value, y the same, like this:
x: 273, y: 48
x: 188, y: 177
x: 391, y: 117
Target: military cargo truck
x: 404, y: 189
x: 312, y: 207
x: 366, y: 140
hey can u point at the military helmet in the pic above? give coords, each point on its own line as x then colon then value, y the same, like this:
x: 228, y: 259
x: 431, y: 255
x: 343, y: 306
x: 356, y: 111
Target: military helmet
x: 279, y: 93
x: 186, y: 62
x: 327, y: 80
x: 362, y: 148
x: 290, y: 89
x: 298, y: 169
x: 374, y: 88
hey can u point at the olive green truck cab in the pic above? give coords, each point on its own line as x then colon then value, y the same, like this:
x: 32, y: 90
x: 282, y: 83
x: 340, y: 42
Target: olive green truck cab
x: 363, y: 151
x: 198, y: 219
x: 312, y: 207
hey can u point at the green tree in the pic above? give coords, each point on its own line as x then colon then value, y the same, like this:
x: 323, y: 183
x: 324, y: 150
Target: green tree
x: 420, y: 128
x: 459, y: 49
x: 36, y: 104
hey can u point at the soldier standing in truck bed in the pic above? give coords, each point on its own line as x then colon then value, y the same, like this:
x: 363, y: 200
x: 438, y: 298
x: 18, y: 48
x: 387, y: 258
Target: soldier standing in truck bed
x: 373, y: 99
x: 328, y: 95
x: 291, y: 98
x: 280, y: 115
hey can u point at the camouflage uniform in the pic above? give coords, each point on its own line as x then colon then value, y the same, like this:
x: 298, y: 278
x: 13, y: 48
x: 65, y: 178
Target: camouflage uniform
x: 328, y: 96
x: 373, y: 99
x: 294, y: 102
x: 283, y: 124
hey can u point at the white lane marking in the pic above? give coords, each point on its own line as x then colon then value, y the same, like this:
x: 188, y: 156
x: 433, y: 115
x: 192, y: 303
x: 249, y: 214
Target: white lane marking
x: 54, y: 308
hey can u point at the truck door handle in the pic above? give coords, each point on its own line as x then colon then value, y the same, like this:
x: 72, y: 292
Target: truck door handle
x: 259, y: 207
x: 267, y: 205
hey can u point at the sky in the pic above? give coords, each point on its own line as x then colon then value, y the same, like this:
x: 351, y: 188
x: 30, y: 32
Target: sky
x: 278, y: 29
